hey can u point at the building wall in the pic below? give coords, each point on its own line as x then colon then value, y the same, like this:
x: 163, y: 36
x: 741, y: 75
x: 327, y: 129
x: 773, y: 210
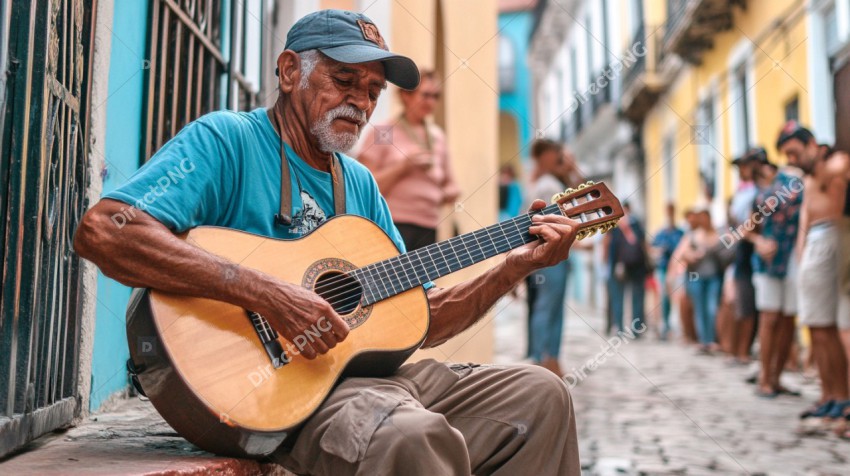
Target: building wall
x: 121, y: 158
x: 770, y: 37
x: 514, y: 27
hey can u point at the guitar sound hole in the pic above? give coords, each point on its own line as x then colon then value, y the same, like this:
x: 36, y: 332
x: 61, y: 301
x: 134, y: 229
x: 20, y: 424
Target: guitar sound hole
x: 342, y: 291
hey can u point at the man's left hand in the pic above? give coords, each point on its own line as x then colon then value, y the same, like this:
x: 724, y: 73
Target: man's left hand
x: 557, y: 234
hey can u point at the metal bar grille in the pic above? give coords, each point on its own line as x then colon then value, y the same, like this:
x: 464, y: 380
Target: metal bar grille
x: 44, y: 166
x: 197, y: 50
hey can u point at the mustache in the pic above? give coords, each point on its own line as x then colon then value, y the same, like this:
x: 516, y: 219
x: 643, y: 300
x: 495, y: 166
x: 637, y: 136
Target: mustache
x: 346, y: 111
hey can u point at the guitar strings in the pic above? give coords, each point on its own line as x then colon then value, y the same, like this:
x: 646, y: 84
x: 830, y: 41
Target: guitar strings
x: 395, y: 269
x: 344, y: 289
x: 492, y: 246
x: 505, y: 238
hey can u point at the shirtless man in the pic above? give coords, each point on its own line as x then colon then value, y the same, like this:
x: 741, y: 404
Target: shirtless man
x: 825, y: 183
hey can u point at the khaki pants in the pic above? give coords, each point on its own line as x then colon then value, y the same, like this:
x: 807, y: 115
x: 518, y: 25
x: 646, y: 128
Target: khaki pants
x: 435, y: 419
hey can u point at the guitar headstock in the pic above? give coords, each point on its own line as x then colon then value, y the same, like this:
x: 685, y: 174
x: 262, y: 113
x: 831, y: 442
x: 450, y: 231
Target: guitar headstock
x: 593, y: 205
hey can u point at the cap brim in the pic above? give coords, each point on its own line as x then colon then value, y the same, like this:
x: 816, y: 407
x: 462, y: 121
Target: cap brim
x: 399, y: 70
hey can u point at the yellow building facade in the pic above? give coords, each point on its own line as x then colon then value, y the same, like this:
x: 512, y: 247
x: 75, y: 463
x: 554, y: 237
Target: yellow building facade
x: 720, y: 88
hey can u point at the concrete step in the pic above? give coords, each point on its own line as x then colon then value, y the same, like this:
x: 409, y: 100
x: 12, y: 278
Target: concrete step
x: 131, y: 439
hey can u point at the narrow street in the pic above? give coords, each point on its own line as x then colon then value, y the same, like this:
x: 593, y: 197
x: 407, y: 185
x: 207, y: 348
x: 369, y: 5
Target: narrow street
x: 658, y: 408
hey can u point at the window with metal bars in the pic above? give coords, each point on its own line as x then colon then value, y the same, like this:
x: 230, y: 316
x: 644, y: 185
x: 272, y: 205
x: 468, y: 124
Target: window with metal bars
x: 205, y: 55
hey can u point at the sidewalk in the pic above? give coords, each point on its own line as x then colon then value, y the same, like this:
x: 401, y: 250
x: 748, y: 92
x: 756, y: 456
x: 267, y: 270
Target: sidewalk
x: 649, y: 407
x: 131, y: 440
x: 657, y: 408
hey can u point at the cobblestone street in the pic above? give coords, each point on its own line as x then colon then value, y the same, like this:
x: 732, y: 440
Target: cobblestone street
x: 658, y: 408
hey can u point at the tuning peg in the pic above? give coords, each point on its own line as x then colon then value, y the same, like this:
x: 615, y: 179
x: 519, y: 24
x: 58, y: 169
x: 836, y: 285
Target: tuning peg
x: 558, y: 196
x: 608, y: 226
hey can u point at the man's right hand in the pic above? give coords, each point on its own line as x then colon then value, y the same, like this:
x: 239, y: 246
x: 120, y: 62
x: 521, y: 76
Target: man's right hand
x: 298, y: 314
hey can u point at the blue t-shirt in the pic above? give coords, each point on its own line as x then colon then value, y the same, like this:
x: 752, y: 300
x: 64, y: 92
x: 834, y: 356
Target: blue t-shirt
x: 667, y: 239
x: 224, y: 170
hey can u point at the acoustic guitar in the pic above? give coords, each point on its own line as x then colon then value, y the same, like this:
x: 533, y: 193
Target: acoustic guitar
x: 227, y: 382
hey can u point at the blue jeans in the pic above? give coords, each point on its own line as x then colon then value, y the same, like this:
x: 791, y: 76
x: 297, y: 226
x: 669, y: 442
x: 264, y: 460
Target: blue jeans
x: 617, y: 291
x: 661, y: 275
x: 547, y: 311
x: 705, y: 294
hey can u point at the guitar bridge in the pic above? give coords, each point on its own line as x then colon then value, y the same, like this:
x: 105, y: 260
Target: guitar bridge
x: 268, y: 337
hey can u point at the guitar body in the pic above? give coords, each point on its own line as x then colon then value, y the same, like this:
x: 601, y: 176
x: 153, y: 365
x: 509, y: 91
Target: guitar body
x: 223, y: 378
x: 205, y: 369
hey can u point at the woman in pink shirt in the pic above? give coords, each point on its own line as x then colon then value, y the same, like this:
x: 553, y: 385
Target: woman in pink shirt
x: 410, y: 161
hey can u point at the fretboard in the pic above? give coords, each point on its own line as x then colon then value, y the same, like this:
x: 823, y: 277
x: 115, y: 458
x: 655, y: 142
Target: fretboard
x: 395, y: 275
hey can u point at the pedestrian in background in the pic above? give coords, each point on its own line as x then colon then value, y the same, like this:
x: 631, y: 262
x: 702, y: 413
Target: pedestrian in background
x: 409, y: 158
x: 568, y: 172
x: 663, y: 246
x: 700, y: 251
x: 726, y: 322
x: 628, y: 266
x: 510, y: 193
x: 546, y: 305
x: 740, y: 213
x: 775, y: 270
x: 825, y: 184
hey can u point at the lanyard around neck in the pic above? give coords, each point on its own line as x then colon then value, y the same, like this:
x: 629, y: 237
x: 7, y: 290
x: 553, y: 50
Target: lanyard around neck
x: 284, y: 216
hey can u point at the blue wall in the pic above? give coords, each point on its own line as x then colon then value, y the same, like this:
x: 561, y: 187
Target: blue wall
x: 123, y: 139
x: 516, y: 27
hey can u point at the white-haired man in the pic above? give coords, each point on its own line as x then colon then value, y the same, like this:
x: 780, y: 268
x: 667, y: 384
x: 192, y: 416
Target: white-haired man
x: 279, y: 173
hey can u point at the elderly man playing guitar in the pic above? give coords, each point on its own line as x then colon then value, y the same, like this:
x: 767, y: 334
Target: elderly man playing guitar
x: 226, y: 169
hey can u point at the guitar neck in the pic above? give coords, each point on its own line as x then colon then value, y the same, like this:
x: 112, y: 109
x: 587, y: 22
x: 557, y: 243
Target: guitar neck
x: 395, y: 275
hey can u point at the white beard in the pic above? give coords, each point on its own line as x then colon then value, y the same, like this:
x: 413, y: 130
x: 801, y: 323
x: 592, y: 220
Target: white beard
x: 332, y: 141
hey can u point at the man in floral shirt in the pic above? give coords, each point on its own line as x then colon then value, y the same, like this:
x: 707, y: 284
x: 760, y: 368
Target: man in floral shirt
x: 776, y: 214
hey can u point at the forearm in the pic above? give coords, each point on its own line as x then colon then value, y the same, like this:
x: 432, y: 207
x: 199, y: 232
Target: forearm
x: 802, y: 231
x: 455, y: 309
x: 145, y: 254
x: 387, y: 177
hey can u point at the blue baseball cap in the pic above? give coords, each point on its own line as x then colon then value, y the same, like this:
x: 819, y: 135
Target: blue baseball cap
x: 352, y: 38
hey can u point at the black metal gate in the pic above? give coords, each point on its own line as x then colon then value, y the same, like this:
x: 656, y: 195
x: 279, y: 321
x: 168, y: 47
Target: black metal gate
x: 44, y: 122
x: 189, y: 67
